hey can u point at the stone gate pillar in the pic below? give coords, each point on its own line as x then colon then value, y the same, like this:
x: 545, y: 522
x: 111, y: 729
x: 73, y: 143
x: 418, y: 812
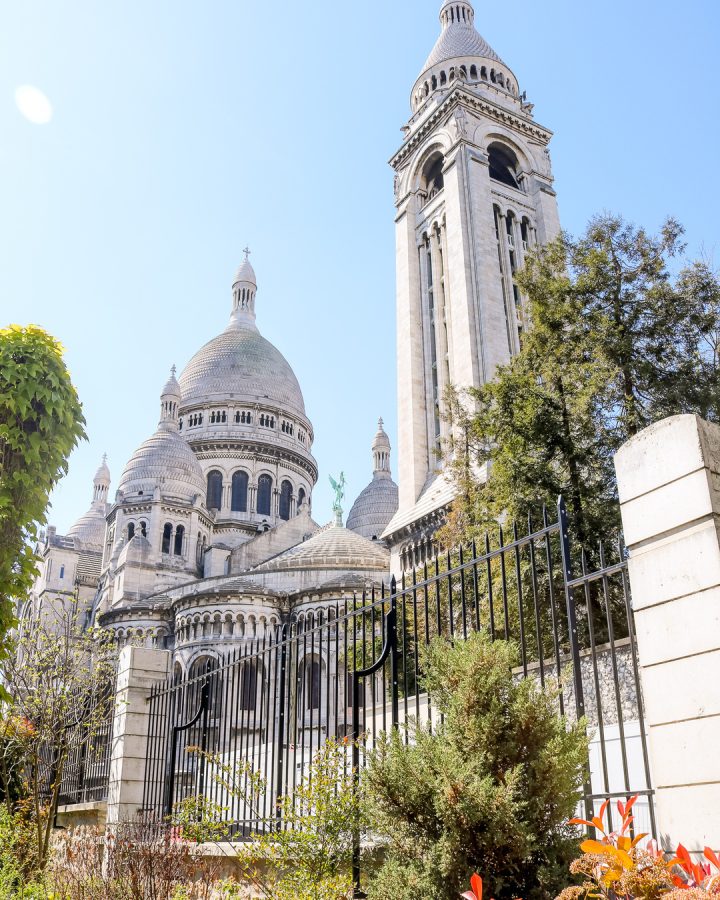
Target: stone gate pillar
x: 138, y: 670
x: 669, y: 485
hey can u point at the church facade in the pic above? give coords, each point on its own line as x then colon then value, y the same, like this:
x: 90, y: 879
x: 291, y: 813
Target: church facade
x: 209, y: 538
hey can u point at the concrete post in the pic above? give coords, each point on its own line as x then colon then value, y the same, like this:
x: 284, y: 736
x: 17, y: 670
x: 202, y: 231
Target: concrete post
x: 138, y: 670
x: 669, y: 484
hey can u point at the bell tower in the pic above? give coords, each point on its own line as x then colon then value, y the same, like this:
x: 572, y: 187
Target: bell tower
x: 473, y: 191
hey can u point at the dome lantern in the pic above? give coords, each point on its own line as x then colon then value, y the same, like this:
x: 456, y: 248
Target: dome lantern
x: 243, y: 290
x: 101, y: 484
x: 169, y: 402
x: 90, y: 528
x: 381, y: 451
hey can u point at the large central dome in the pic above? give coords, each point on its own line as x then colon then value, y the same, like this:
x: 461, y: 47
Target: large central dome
x: 241, y: 364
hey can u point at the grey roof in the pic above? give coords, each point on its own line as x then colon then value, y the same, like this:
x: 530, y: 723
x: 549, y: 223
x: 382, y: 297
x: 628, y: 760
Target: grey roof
x: 374, y: 507
x: 334, y: 547
x: 89, y: 565
x: 166, y: 461
x: 459, y: 39
x: 241, y: 364
x: 439, y: 494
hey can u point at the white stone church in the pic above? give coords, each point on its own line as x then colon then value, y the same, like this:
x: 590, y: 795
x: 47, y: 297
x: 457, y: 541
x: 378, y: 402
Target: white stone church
x: 209, y: 537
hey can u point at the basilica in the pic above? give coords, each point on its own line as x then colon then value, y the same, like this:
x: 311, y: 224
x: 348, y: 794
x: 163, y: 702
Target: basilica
x: 209, y: 537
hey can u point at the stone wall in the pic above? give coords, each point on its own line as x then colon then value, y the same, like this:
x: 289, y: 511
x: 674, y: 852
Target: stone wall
x: 604, y: 671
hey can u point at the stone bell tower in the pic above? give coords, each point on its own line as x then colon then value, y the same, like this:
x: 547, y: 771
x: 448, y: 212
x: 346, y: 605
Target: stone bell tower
x: 473, y: 191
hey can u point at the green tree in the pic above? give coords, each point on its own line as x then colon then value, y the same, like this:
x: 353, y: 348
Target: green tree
x: 487, y: 791
x: 60, y: 680
x: 41, y: 421
x: 614, y: 341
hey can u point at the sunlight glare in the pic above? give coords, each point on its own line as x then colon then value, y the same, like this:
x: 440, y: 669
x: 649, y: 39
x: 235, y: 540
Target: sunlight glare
x: 33, y: 104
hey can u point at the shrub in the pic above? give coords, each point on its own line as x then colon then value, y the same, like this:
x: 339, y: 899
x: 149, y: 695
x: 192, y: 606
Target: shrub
x: 19, y: 876
x: 488, y: 790
x: 136, y: 862
x: 620, y: 865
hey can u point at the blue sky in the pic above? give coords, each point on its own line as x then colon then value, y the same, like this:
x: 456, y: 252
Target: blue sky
x: 184, y: 130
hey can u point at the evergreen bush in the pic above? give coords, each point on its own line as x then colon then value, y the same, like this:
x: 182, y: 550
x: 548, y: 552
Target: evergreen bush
x: 488, y: 790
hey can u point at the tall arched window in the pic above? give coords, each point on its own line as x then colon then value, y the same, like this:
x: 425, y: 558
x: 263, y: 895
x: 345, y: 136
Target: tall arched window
x: 214, y: 490
x: 301, y: 498
x: 167, y: 537
x: 249, y: 685
x: 312, y: 685
x: 179, y: 537
x: 239, y: 492
x: 264, y: 495
x: 131, y: 531
x: 203, y: 670
x: 504, y: 165
x: 433, y: 180
x: 285, y: 497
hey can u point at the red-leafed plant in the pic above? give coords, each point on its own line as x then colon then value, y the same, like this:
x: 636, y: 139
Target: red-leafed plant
x: 620, y: 866
x: 476, y: 889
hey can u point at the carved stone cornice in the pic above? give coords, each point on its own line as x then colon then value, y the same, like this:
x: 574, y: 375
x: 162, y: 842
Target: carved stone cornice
x: 479, y: 105
x: 255, y: 452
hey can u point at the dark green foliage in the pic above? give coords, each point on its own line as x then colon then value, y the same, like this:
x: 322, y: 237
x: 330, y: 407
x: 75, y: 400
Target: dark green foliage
x: 489, y: 791
x: 615, y: 341
x: 40, y: 422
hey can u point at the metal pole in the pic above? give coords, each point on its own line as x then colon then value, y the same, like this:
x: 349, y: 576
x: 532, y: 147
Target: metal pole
x: 573, y: 635
x: 280, y: 745
x: 389, y: 650
x: 570, y: 606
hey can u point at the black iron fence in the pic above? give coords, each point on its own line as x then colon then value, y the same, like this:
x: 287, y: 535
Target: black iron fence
x: 80, y: 757
x: 242, y: 732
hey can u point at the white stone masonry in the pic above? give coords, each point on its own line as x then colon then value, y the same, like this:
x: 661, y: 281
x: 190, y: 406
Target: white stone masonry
x: 669, y: 483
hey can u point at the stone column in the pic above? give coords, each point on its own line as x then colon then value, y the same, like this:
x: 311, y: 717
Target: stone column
x: 669, y: 484
x: 138, y: 670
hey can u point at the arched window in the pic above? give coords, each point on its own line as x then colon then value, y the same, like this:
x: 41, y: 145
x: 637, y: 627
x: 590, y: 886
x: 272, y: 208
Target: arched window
x: 503, y: 165
x: 179, y: 537
x: 301, y: 498
x: 204, y: 668
x: 473, y: 73
x: 264, y: 495
x: 214, y: 490
x: 239, y: 492
x: 167, y: 537
x: 285, y: 497
x: 432, y: 176
x: 249, y: 685
x: 143, y: 529
x: 312, y: 685
x: 131, y: 531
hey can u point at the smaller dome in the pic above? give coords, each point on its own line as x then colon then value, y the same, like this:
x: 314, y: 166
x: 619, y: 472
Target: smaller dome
x: 90, y: 528
x: 374, y: 508
x: 378, y: 502
x: 334, y: 547
x: 165, y: 460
